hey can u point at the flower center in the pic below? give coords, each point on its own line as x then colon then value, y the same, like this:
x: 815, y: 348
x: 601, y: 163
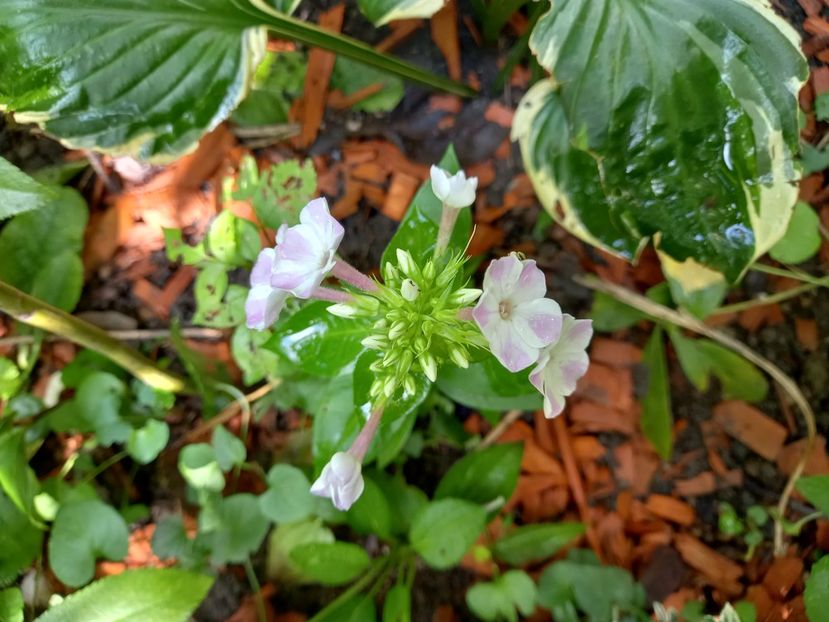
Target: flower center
x: 505, y: 309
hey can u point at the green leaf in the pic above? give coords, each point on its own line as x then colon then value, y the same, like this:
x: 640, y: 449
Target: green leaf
x: 170, y: 541
x: 384, y: 11
x: 816, y: 491
x: 700, y: 301
x: 20, y: 193
x: 822, y: 106
x: 179, y: 250
x: 232, y: 240
x: 816, y: 595
x: 146, y: 442
x: 277, y: 82
x: 20, y: 541
x: 199, y: 467
x: 680, y: 130
x: 371, y: 514
x: 489, y: 385
x: 17, y: 479
x: 60, y: 280
x: 288, y: 497
x: 398, y: 604
x: 349, y: 77
x: 81, y: 533
x: 218, y: 304
x: 445, y: 529
x: 96, y: 408
x: 169, y: 593
x: 332, y: 563
x: 11, y: 605
x: 148, y: 79
x: 318, y: 342
x: 657, y: 417
x: 228, y: 449
x: 60, y: 224
x: 700, y: 358
x: 408, y: 500
x: 610, y: 315
x: 10, y: 379
x: 531, y: 543
x: 284, y: 539
x: 255, y: 361
x: 483, y: 476
x: 234, y: 527
x: 814, y: 159
x: 358, y: 608
x: 802, y: 239
x: 499, y: 599
x: 417, y: 233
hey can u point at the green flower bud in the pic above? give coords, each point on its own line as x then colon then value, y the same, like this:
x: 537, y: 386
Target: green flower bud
x: 429, y: 366
x: 405, y: 362
x: 397, y: 329
x: 458, y: 356
x: 406, y: 263
x: 409, y: 385
x: 429, y: 271
x: 389, y: 386
x: 343, y: 310
x: 464, y: 297
x: 375, y: 342
x: 409, y: 290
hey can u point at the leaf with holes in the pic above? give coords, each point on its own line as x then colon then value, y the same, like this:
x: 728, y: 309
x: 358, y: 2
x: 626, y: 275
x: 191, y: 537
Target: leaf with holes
x: 679, y: 130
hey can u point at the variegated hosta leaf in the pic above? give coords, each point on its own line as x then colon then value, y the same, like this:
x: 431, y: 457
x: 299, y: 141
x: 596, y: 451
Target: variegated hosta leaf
x: 148, y: 78
x: 671, y: 119
x: 383, y: 11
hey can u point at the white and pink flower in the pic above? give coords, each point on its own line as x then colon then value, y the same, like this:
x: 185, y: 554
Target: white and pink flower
x: 264, y: 302
x: 513, y: 314
x: 341, y: 480
x: 306, y: 253
x: 562, y: 364
x: 456, y: 191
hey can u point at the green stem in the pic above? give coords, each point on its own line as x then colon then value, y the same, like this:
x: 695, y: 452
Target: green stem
x: 114, y: 459
x: 34, y: 312
x: 765, y: 299
x: 355, y: 588
x: 261, y: 612
x: 791, y: 274
x: 309, y: 34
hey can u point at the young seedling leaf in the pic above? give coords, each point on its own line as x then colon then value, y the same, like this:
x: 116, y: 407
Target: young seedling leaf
x: 483, y: 476
x: 657, y: 417
x: 288, y: 498
x: 332, y: 563
x: 445, y: 529
x: 802, y: 238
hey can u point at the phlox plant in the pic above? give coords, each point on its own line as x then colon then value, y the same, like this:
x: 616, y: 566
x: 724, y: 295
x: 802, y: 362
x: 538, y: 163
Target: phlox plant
x: 423, y: 316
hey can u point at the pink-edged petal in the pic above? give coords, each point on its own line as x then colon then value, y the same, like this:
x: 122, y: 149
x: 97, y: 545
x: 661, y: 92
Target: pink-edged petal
x: 486, y: 312
x: 328, y: 232
x: 570, y: 372
x: 300, y: 244
x: 263, y: 306
x: 531, y: 283
x: 553, y: 405
x: 261, y: 273
x: 501, y: 277
x: 538, y: 322
x: 510, y: 349
x: 579, y: 333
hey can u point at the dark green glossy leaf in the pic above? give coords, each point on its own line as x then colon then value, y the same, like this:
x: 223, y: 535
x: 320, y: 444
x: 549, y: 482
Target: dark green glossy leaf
x: 445, y: 529
x: 20, y: 193
x: 417, y: 233
x: 288, y: 497
x: 681, y: 130
x: 148, y: 78
x: 535, y: 542
x: 170, y: 594
x: 317, y: 342
x: 331, y: 563
x: 81, y: 533
x: 657, y: 417
x: 489, y: 385
x: 816, y: 595
x: 483, y: 476
x: 802, y: 239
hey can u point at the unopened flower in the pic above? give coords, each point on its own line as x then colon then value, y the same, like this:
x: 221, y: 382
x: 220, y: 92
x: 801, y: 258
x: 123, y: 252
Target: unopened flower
x: 341, y: 481
x: 562, y: 364
x: 456, y: 191
x: 513, y: 314
x: 264, y: 302
x: 305, y: 253
x: 409, y: 290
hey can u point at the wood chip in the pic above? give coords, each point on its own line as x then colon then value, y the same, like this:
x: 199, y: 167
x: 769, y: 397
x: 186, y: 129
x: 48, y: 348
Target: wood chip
x: 589, y: 416
x: 721, y: 571
x: 703, y: 484
x: 444, y: 25
x: 499, y: 114
x: 614, y: 352
x: 401, y: 192
x: 400, y: 31
x: 750, y: 426
x: 782, y: 576
x: 608, y: 386
x: 807, y: 335
x: 671, y: 509
x: 817, y: 463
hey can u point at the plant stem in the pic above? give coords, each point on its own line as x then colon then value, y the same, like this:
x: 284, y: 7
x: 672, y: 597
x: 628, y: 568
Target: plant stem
x: 791, y: 274
x: 34, y: 312
x: 684, y: 320
x: 261, y: 613
x: 355, y: 588
x: 765, y: 299
x: 124, y: 335
x: 114, y: 459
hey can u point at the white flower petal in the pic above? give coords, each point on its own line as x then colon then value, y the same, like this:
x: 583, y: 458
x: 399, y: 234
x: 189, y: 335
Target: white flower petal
x: 341, y: 481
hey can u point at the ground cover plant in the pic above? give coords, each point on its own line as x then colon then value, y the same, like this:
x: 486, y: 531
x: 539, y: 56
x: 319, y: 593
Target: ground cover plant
x: 413, y: 310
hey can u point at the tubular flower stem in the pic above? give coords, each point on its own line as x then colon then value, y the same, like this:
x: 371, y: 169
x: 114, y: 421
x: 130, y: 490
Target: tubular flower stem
x: 465, y: 314
x: 348, y: 273
x: 332, y: 295
x: 448, y: 218
x: 360, y: 446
